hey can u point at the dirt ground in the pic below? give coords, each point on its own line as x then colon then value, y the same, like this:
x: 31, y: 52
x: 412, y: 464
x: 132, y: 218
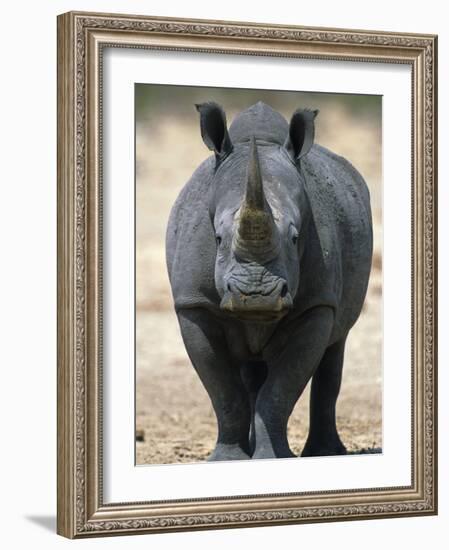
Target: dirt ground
x: 173, y: 411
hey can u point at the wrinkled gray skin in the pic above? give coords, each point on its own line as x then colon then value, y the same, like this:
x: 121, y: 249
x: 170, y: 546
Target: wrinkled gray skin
x: 269, y: 249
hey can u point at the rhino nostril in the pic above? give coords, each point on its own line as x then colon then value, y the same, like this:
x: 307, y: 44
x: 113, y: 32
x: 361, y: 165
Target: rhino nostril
x: 229, y: 287
x: 284, y: 290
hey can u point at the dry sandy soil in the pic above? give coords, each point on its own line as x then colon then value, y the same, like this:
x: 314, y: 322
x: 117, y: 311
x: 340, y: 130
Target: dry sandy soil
x: 173, y: 411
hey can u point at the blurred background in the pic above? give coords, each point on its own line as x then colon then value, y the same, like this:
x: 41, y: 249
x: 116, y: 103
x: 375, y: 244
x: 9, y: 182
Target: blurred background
x: 174, y: 418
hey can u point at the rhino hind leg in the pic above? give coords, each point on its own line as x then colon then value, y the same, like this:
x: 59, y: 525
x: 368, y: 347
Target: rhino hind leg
x: 323, y: 438
x: 254, y: 374
x: 206, y: 346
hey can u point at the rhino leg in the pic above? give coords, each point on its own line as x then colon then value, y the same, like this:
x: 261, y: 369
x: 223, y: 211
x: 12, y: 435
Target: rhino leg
x: 206, y: 346
x: 253, y: 375
x: 288, y: 374
x: 323, y: 436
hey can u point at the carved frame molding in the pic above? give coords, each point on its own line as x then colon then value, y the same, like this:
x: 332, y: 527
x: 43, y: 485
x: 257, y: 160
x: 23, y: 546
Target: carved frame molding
x: 81, y: 39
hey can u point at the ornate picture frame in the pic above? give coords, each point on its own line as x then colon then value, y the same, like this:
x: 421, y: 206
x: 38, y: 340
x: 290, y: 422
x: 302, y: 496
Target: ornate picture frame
x: 82, y: 39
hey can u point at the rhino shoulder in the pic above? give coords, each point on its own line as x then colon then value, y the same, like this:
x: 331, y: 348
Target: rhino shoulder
x: 340, y: 205
x: 338, y: 171
x: 335, y: 189
x: 192, y: 199
x: 190, y: 242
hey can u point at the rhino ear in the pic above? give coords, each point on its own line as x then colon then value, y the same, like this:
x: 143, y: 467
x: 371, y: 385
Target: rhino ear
x: 301, y: 133
x: 214, y: 130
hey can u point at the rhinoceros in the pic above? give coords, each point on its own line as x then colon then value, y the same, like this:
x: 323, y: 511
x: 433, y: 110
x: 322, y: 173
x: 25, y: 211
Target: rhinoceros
x: 269, y: 248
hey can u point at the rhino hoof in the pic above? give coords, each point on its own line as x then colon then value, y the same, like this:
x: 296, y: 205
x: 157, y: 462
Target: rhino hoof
x: 324, y: 450
x: 228, y: 452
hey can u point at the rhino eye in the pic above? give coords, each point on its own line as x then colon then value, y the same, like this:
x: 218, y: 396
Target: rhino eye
x: 218, y: 240
x: 293, y: 234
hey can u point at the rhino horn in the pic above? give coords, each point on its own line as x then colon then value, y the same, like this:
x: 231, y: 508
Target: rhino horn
x: 256, y: 236
x: 254, y: 194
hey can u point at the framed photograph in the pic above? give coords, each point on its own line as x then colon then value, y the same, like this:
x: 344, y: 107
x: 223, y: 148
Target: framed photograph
x: 246, y: 274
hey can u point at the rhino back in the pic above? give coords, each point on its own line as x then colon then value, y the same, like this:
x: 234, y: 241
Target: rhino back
x: 261, y: 121
x: 190, y: 243
x: 341, y: 212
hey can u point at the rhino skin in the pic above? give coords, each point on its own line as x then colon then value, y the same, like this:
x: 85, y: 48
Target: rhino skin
x: 269, y: 248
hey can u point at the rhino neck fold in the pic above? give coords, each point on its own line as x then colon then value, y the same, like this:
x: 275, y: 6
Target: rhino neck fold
x: 257, y: 335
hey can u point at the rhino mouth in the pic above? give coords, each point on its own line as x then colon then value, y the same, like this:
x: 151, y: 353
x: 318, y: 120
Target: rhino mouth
x: 257, y: 306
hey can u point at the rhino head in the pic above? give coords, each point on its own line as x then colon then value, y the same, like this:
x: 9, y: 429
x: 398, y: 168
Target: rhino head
x: 258, y: 208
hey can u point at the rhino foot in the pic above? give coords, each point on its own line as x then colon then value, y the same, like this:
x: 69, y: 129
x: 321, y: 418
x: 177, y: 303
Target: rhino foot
x: 330, y: 449
x: 228, y: 452
x: 269, y: 452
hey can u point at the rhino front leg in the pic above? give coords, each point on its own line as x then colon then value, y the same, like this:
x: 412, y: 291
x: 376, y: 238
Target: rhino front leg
x: 323, y: 436
x: 206, y: 346
x: 288, y: 375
